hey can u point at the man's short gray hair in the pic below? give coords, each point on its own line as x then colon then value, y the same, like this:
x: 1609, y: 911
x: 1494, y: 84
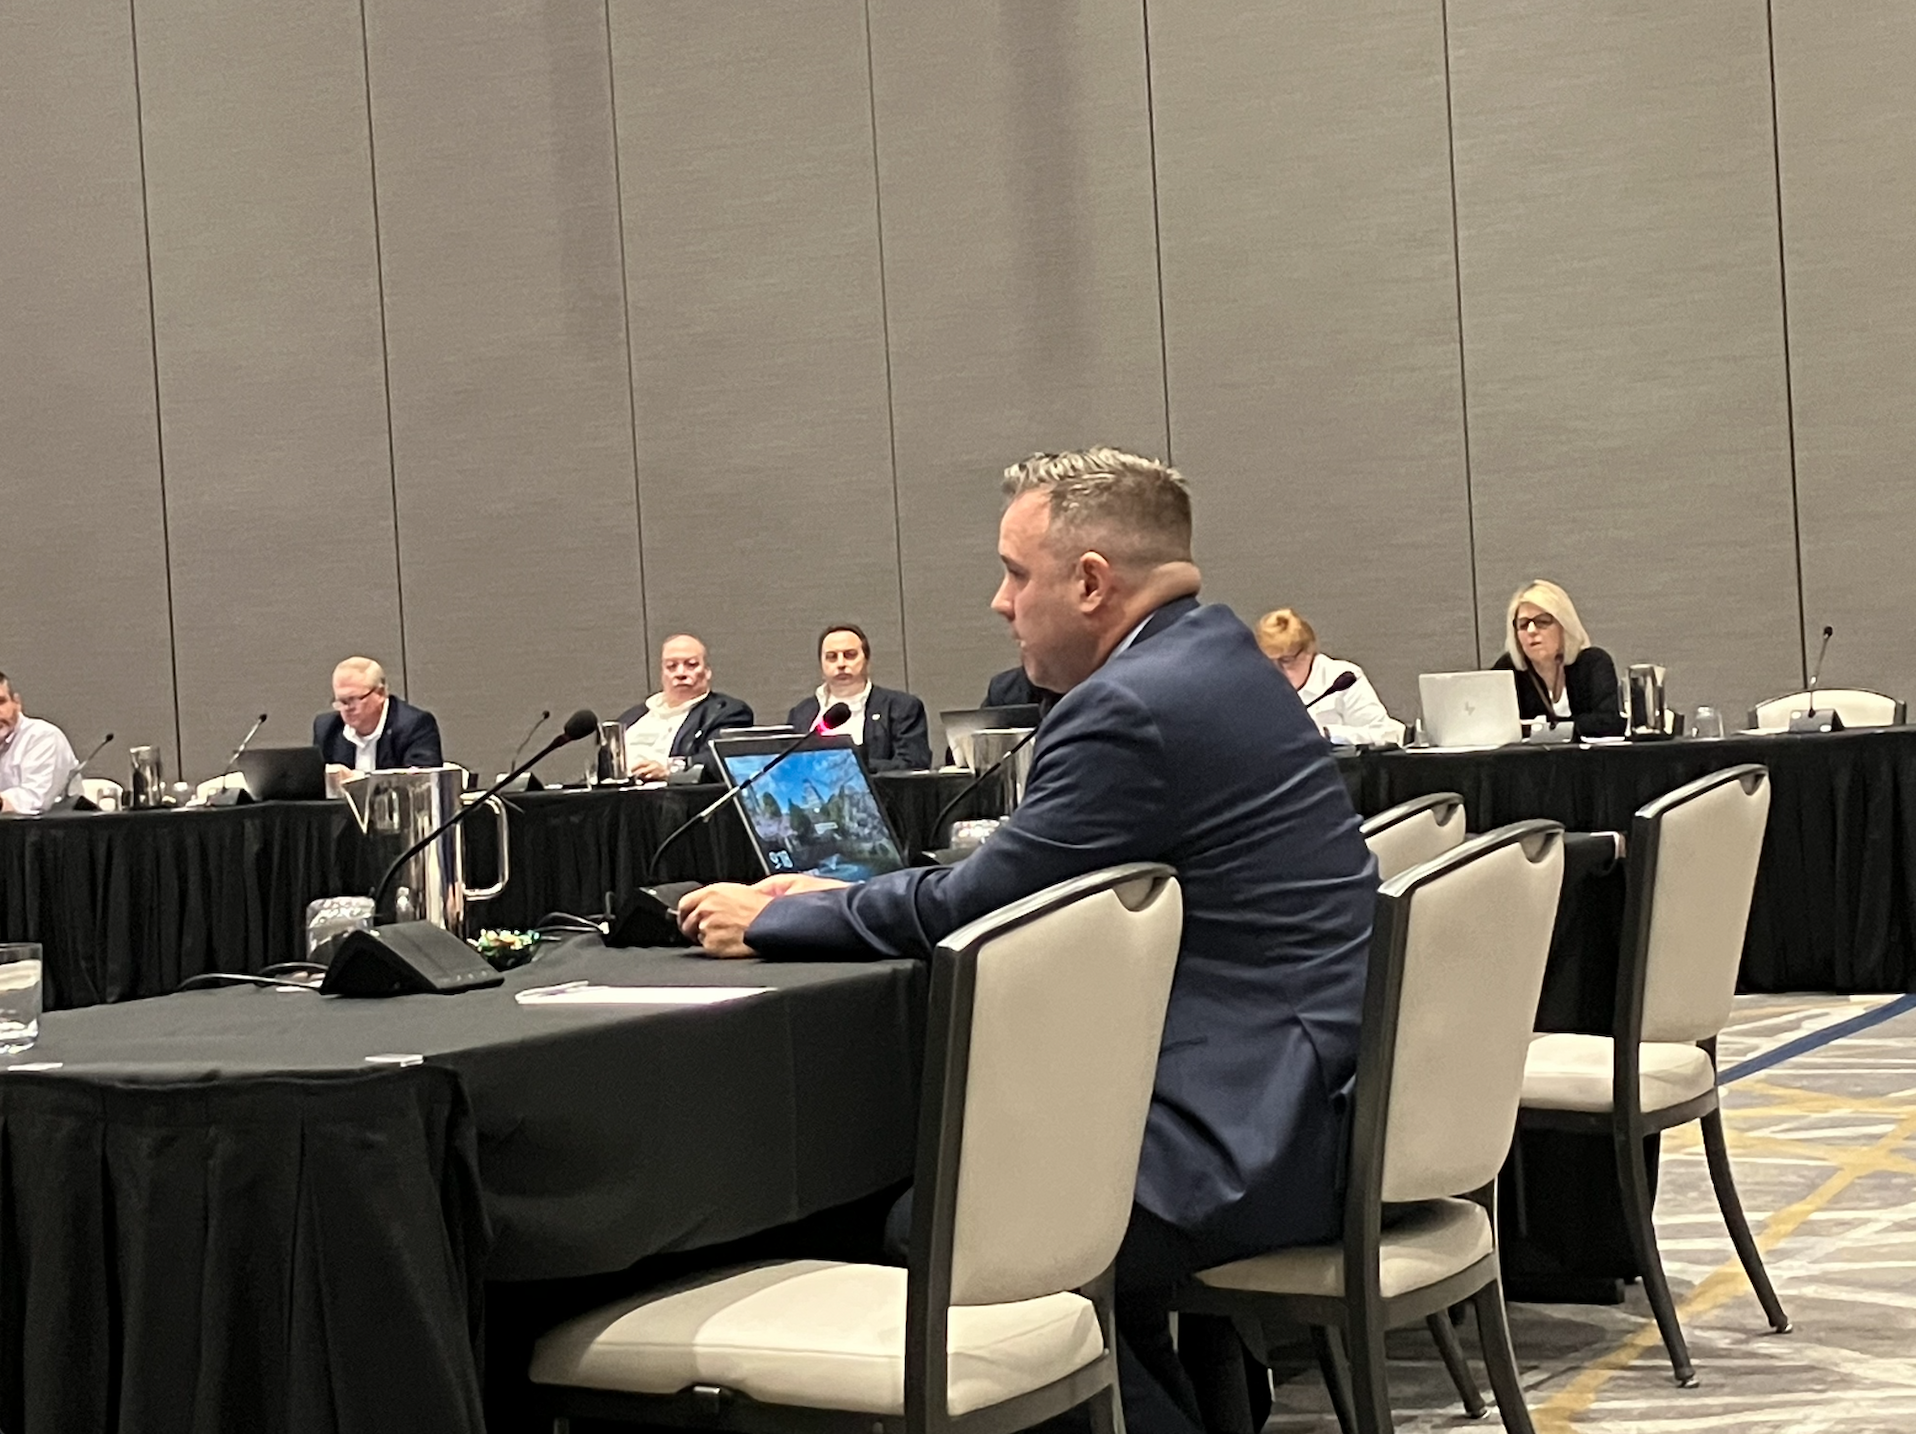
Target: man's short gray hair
x: 368, y: 671
x: 1131, y: 509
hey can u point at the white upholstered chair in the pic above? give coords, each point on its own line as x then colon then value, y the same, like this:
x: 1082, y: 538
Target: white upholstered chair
x: 1413, y: 832
x: 1857, y: 707
x: 103, y: 792
x: 1042, y: 1047
x: 1692, y: 866
x: 1456, y: 966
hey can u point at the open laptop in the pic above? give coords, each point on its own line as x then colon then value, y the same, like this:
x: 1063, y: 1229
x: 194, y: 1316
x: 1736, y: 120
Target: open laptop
x: 1469, y: 709
x: 284, y: 774
x: 816, y: 814
x: 965, y: 723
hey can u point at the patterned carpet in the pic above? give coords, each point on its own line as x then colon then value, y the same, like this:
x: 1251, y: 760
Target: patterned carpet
x: 1824, y: 1147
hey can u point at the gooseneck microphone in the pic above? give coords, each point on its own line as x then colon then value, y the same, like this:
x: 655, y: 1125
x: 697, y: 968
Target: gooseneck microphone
x: 835, y: 715
x: 1343, y: 682
x: 978, y: 781
x: 544, y: 717
x: 245, y: 742
x: 1816, y: 674
x: 79, y: 770
x: 581, y: 724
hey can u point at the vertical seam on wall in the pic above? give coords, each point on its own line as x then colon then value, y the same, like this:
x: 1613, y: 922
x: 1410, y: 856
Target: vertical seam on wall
x: 884, y: 320
x: 1157, y: 227
x: 1463, y: 368
x: 159, y: 423
x: 385, y: 349
x: 1789, y: 380
x: 625, y: 322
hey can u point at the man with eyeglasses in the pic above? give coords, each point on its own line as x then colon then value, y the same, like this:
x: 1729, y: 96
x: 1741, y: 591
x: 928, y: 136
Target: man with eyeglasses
x: 369, y: 730
x: 36, y: 760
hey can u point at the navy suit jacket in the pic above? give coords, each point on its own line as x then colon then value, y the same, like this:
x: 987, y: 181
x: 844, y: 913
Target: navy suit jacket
x: 897, y: 736
x: 1011, y: 688
x: 1189, y: 748
x: 411, y: 738
x: 715, y: 713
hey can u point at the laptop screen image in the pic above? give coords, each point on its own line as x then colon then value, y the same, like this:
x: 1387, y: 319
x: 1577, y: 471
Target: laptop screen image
x: 816, y: 814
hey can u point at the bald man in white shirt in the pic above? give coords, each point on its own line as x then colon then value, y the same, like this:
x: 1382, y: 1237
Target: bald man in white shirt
x: 36, y: 760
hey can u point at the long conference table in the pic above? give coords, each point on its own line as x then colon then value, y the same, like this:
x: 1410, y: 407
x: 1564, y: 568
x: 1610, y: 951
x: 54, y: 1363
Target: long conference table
x: 260, y: 1209
x: 130, y: 904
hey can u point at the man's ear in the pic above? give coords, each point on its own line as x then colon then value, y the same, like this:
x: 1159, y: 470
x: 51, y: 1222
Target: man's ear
x: 1095, y: 581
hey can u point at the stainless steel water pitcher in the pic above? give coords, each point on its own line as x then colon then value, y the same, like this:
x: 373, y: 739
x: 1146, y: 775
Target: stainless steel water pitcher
x: 988, y: 745
x: 1644, y: 704
x: 147, y: 785
x: 608, y: 762
x: 396, y: 809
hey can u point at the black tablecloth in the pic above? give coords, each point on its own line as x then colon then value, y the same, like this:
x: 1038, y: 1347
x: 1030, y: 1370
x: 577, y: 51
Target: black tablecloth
x: 1835, y: 901
x: 216, y: 1215
x: 129, y: 904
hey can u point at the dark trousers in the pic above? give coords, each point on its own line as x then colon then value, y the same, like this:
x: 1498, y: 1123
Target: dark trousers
x: 1203, y: 1383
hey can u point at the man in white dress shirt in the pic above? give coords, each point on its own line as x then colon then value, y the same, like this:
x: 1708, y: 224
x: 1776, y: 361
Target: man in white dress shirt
x: 36, y: 760
x: 677, y: 720
x: 1354, y: 715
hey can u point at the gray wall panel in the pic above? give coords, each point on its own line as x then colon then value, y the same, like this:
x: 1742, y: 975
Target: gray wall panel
x: 1014, y: 156
x: 1311, y: 321
x: 267, y: 332
x: 751, y: 237
x: 512, y: 428
x: 1623, y: 328
x: 1846, y: 124
x: 84, y: 591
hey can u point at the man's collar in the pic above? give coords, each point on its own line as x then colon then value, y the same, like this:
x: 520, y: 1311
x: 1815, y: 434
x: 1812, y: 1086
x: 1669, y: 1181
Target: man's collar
x: 658, y: 702
x: 824, y: 695
x: 1157, y: 621
x: 378, y: 731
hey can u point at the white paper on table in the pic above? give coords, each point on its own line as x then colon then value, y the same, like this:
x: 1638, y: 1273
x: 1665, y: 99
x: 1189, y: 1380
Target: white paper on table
x: 588, y: 995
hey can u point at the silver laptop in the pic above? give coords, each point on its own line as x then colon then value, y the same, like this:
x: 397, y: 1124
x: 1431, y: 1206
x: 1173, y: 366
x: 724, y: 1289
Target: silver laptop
x: 1469, y: 709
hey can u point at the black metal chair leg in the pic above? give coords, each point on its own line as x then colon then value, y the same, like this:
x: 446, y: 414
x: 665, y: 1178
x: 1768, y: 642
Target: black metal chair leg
x: 1633, y: 1178
x: 1717, y: 1152
x: 1107, y: 1410
x: 1337, y: 1375
x: 1451, y: 1351
x: 1493, y: 1329
x: 1370, y: 1388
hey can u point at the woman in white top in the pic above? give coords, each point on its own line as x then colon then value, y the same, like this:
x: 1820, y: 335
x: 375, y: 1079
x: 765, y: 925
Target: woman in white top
x: 1354, y: 714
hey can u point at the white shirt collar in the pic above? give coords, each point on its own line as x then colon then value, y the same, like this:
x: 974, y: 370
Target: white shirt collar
x: 658, y: 706
x: 366, y: 753
x: 854, y: 725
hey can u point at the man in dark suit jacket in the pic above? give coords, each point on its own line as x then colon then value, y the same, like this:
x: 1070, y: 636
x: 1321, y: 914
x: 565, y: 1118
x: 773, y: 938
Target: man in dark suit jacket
x: 889, y: 726
x: 1175, y: 740
x: 368, y: 729
x: 683, y: 715
x: 1011, y: 688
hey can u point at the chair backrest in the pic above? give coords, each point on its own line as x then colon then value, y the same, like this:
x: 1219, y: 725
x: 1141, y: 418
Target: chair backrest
x: 1042, y: 1051
x: 93, y: 788
x: 1693, y: 858
x: 1413, y: 832
x: 1457, y: 958
x: 1857, y: 706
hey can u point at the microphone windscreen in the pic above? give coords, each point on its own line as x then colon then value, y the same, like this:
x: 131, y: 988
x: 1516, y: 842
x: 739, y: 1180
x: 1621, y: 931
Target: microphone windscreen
x: 836, y: 715
x: 581, y: 724
x: 1343, y: 683
x: 108, y: 738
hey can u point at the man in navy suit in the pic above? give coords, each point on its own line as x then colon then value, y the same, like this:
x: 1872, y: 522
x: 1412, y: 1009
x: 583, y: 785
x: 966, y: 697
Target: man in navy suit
x: 371, y: 730
x: 680, y: 718
x: 1175, y: 740
x: 888, y: 726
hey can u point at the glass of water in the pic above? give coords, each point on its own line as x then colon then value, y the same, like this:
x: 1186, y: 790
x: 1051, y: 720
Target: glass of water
x: 1706, y: 722
x: 19, y: 996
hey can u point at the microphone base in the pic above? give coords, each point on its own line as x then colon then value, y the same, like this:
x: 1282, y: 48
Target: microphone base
x: 1817, y: 722
x: 72, y: 804
x: 230, y: 797
x: 648, y: 917
x: 405, y: 958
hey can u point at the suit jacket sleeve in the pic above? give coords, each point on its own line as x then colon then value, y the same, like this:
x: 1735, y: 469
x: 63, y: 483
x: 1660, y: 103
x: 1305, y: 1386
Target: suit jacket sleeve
x: 910, y: 736
x: 801, y: 717
x: 1097, y: 797
x: 1593, y: 699
x: 419, y: 744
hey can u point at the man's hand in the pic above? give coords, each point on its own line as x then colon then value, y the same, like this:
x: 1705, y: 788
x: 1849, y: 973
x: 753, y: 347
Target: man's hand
x: 5, y: 805
x: 716, y: 917
x: 791, y: 883
x: 648, y: 769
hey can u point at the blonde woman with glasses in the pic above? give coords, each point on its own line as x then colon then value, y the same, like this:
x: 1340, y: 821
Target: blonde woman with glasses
x: 1560, y: 675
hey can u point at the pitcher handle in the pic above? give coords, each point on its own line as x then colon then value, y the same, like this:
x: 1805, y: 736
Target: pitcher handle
x: 505, y: 855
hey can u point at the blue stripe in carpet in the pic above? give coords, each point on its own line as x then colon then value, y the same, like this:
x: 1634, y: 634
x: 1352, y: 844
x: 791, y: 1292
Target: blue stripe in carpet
x: 1888, y: 1011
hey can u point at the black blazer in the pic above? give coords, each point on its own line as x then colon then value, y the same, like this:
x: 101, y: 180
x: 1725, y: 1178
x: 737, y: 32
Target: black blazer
x: 1011, y: 688
x: 411, y: 738
x: 715, y: 713
x: 1189, y: 747
x: 1591, y: 682
x: 897, y: 736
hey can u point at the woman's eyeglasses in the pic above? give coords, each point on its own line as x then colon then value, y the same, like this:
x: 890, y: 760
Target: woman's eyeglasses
x: 1539, y: 622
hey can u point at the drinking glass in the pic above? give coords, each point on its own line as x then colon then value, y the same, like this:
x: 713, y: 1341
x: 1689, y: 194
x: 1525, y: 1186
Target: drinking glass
x: 19, y: 996
x: 1706, y: 722
x: 332, y: 916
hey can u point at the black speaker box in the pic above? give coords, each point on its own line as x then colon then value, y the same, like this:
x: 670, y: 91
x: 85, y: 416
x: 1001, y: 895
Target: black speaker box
x: 406, y: 958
